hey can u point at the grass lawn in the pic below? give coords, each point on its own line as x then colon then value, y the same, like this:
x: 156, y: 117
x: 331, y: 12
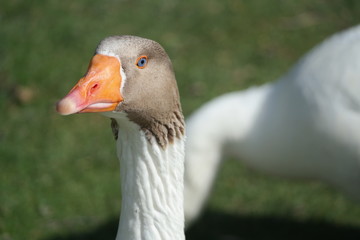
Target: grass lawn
x: 59, y: 176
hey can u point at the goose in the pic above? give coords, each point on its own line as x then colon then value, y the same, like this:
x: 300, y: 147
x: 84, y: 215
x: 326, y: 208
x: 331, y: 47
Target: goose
x: 131, y: 81
x: 305, y: 125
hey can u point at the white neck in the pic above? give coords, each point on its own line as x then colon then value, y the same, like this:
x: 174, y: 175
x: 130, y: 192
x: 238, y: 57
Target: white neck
x: 217, y: 124
x: 228, y: 118
x: 152, y: 186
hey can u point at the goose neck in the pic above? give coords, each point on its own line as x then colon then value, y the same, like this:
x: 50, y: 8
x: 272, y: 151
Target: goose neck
x: 152, y: 187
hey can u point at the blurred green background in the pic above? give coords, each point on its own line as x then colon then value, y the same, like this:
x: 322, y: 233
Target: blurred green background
x: 59, y: 176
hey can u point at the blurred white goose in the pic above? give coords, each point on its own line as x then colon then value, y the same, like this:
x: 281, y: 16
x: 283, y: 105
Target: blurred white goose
x: 305, y: 125
x: 131, y: 80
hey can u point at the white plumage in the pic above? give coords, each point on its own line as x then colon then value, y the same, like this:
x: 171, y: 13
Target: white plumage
x: 152, y: 181
x: 304, y: 125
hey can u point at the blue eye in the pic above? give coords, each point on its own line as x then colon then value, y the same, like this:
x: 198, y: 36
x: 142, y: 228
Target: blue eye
x: 141, y: 62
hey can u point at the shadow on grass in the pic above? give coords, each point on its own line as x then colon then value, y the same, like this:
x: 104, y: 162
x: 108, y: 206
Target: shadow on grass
x: 222, y: 226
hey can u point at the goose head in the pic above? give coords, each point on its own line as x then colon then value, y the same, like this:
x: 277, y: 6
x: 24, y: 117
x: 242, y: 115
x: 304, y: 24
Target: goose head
x: 127, y: 74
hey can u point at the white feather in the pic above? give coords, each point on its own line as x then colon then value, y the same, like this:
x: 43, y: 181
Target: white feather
x: 305, y: 125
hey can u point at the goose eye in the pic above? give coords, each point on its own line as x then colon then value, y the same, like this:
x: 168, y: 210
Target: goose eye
x: 141, y: 62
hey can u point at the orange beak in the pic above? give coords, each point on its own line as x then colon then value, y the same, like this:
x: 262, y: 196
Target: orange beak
x: 97, y: 91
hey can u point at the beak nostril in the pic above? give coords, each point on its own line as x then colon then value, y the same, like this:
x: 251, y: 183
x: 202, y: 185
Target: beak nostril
x: 94, y: 87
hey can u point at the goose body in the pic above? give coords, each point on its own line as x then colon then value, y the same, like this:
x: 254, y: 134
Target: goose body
x: 305, y: 125
x: 130, y: 80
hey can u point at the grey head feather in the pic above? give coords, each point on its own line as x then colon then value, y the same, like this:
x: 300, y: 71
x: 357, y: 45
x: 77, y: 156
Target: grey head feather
x: 151, y: 97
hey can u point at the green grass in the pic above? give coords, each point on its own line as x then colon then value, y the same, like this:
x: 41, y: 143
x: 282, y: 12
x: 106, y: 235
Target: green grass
x: 59, y: 175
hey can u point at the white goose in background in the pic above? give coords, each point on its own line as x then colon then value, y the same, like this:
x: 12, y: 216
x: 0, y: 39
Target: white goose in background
x: 305, y: 125
x: 130, y: 79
